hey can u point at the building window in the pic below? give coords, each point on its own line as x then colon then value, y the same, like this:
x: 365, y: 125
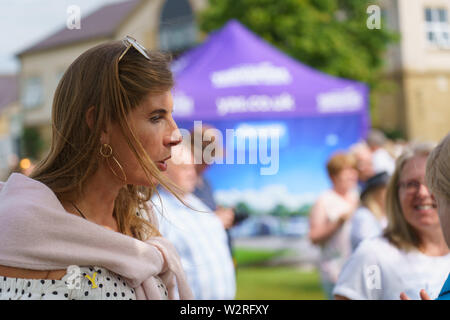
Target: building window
x: 32, y: 93
x: 437, y: 27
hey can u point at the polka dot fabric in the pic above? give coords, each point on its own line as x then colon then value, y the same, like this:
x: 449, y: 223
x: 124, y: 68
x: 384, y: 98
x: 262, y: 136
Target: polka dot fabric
x: 108, y: 286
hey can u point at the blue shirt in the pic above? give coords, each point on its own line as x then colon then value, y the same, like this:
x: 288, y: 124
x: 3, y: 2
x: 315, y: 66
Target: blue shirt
x: 201, y: 242
x: 445, y: 292
x: 205, y: 193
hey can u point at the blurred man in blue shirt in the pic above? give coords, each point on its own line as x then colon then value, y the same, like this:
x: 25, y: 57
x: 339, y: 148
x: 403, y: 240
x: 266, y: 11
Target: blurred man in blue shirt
x: 198, y: 235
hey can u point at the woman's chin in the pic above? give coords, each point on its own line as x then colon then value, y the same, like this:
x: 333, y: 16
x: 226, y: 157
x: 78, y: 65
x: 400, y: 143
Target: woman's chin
x: 144, y: 182
x: 427, y: 222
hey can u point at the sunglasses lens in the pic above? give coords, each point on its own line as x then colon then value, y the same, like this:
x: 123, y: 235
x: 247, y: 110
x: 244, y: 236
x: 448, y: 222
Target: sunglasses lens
x: 129, y: 41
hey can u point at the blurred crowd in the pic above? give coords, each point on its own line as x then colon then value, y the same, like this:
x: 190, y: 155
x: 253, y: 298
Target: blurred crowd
x: 378, y: 226
x: 120, y: 192
x: 197, y: 226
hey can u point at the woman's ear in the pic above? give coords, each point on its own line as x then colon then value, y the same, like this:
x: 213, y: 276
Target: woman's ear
x: 90, y: 120
x: 90, y: 117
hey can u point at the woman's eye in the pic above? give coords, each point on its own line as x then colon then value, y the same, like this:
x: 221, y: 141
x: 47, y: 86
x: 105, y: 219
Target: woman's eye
x: 155, y: 119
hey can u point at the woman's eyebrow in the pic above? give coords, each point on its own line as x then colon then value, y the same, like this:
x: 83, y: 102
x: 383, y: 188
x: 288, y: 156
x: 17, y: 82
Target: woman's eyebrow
x: 161, y: 111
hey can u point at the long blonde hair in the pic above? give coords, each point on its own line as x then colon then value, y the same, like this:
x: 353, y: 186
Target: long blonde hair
x: 369, y: 201
x: 97, y: 78
x: 398, y: 231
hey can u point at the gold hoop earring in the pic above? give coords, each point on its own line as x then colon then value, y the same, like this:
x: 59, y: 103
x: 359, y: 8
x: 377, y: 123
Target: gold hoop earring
x: 107, y: 155
x: 108, y: 152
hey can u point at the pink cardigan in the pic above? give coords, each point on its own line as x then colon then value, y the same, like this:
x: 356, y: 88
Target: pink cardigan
x: 37, y: 233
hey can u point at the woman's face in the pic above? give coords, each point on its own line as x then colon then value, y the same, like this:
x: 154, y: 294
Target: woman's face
x: 417, y: 204
x: 364, y: 164
x: 156, y: 130
x: 183, y: 175
x: 346, y: 179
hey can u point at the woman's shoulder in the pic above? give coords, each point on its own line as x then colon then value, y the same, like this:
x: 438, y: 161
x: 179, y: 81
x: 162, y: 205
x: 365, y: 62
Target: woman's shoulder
x: 362, y: 211
x: 327, y: 194
x: 363, y: 214
x: 23, y: 195
x: 327, y: 197
x: 377, y: 247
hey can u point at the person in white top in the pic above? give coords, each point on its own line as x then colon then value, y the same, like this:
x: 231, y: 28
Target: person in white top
x: 364, y: 164
x: 438, y: 180
x: 381, y: 159
x: 369, y: 219
x: 412, y: 253
x: 329, y: 225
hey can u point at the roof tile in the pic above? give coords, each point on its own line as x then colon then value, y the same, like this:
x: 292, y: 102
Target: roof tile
x: 101, y: 23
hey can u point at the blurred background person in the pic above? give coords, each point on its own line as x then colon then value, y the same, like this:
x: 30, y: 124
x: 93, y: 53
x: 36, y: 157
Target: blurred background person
x: 381, y: 159
x: 364, y: 164
x: 369, y: 219
x: 196, y: 232
x: 329, y: 225
x: 203, y: 189
x: 438, y: 180
x: 412, y: 253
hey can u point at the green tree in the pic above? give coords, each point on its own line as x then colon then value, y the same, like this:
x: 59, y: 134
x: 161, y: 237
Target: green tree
x: 32, y: 143
x: 304, y: 210
x: 243, y: 208
x: 329, y: 35
x: 280, y: 211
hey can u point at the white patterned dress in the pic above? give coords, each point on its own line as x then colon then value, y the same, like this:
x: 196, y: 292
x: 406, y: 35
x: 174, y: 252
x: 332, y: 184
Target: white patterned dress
x: 107, y: 286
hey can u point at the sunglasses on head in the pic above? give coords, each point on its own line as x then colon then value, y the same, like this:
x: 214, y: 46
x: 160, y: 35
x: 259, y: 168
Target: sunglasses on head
x: 131, y: 42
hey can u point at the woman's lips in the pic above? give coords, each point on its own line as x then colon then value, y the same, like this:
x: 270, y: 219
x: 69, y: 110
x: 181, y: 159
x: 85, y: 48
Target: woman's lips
x: 162, y: 165
x: 425, y: 208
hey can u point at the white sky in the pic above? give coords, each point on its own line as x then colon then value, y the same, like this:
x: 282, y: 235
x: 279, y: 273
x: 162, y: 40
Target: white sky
x: 24, y: 22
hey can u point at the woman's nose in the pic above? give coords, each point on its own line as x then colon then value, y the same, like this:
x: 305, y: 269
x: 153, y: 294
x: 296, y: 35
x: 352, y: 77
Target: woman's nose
x: 174, y: 136
x: 423, y: 191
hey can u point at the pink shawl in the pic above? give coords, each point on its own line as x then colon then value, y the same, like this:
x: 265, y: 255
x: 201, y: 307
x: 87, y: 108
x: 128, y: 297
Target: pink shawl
x: 37, y: 233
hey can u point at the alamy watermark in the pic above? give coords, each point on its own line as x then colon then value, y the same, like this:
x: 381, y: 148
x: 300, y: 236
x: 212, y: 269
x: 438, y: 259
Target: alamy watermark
x: 374, y: 19
x: 74, y: 19
x: 372, y: 276
x: 74, y: 279
x: 245, y: 145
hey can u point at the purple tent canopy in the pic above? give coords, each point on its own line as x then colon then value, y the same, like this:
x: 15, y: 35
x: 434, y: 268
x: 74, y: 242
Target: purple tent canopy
x: 237, y: 75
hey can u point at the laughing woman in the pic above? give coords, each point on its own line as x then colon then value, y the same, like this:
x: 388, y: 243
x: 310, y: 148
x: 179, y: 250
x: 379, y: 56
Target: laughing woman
x: 82, y: 207
x: 412, y: 254
x: 438, y: 180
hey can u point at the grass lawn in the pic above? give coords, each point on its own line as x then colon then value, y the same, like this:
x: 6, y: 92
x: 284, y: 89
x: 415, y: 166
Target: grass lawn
x: 251, y: 257
x: 273, y: 283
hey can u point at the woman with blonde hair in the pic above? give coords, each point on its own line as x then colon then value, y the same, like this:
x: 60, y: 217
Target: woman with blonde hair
x: 438, y: 180
x: 78, y: 228
x: 329, y: 220
x: 369, y: 219
x: 412, y: 253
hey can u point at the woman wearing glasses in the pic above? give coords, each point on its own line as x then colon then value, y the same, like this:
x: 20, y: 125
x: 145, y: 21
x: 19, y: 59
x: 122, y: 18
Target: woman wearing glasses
x: 75, y: 229
x: 438, y: 179
x: 412, y: 254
